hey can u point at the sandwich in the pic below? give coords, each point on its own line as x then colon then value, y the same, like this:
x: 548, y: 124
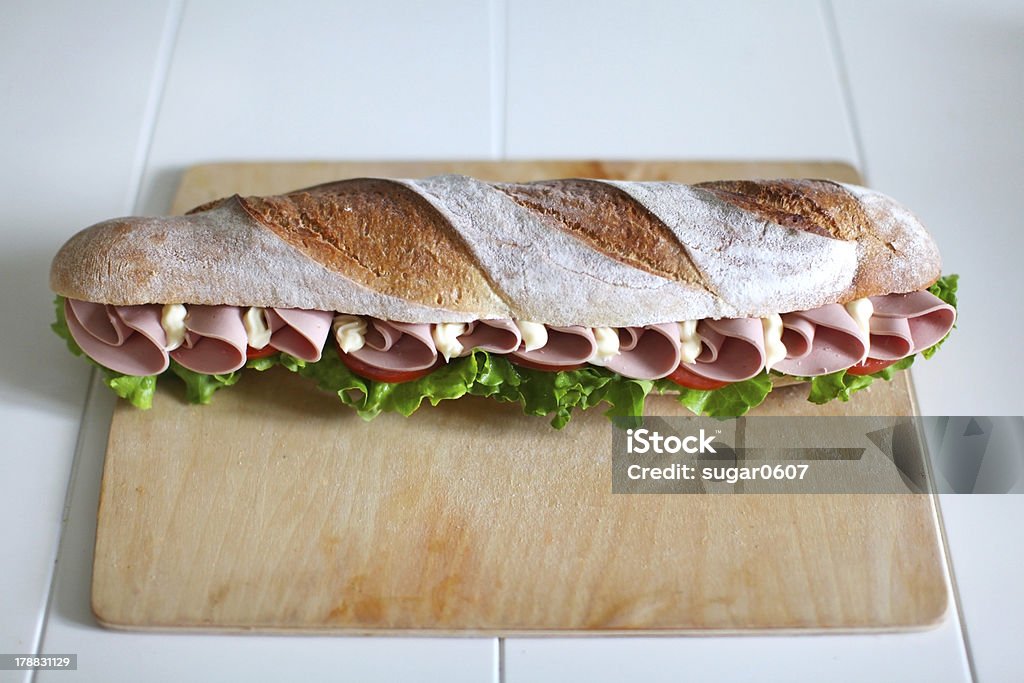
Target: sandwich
x: 557, y: 295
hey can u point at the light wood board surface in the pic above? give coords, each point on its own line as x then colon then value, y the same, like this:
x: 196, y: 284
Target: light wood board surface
x: 277, y: 509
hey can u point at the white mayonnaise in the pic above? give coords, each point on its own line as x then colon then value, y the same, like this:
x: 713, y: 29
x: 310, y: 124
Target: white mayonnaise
x: 774, y: 349
x: 350, y: 331
x: 689, y: 341
x: 254, y: 320
x: 172, y: 319
x: 861, y: 311
x: 446, y: 338
x: 607, y: 344
x: 534, y: 335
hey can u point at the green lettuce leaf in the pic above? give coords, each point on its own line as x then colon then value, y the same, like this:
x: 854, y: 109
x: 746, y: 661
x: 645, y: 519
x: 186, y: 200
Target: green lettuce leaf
x: 137, y: 390
x: 552, y: 394
x: 945, y: 289
x: 732, y: 400
x: 626, y: 398
x: 841, y: 385
x: 61, y: 328
x: 261, y: 364
x: 199, y: 387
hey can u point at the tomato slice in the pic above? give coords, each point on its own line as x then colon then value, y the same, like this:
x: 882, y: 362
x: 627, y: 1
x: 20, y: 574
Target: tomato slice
x: 251, y: 353
x: 692, y: 380
x: 534, y: 365
x: 382, y: 375
x: 869, y: 367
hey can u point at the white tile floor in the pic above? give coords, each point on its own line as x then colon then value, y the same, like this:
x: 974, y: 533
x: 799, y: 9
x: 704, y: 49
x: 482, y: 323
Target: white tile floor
x: 104, y: 104
x: 71, y: 118
x: 676, y: 80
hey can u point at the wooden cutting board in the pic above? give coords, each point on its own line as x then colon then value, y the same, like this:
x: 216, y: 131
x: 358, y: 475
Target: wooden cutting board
x: 276, y: 509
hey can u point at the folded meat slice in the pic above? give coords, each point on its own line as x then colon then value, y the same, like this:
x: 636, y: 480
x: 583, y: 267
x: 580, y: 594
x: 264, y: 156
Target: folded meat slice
x: 496, y: 336
x: 131, y: 340
x: 126, y: 339
x: 650, y: 352
x: 397, y: 346
x: 565, y: 346
x: 299, y: 332
x: 215, y: 340
x: 733, y: 349
x: 903, y: 324
x: 821, y: 341
x: 891, y: 338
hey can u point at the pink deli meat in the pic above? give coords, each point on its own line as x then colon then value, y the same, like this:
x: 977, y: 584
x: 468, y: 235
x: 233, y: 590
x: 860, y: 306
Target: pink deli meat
x: 650, y: 352
x: 566, y: 346
x: 904, y: 324
x: 733, y: 349
x: 298, y: 332
x: 131, y: 340
x: 215, y: 340
x: 821, y: 341
x: 397, y: 346
x: 496, y: 336
x: 127, y: 339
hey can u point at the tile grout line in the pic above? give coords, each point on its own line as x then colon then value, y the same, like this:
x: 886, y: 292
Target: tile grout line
x: 64, y: 514
x: 498, y: 27
x: 954, y: 591
x: 499, y: 77
x: 154, y: 100
x: 155, y: 96
x: 842, y: 73
x: 954, y: 587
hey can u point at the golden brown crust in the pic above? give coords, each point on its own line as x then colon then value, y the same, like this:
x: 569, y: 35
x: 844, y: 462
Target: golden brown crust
x: 380, y: 234
x: 609, y: 220
x: 819, y: 206
x: 826, y: 208
x: 450, y: 248
x: 221, y: 255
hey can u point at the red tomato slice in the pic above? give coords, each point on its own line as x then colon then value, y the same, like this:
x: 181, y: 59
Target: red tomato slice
x: 380, y: 374
x: 692, y: 380
x: 534, y: 365
x: 869, y: 367
x: 251, y: 353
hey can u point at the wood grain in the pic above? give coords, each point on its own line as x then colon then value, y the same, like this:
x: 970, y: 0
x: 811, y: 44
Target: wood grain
x: 276, y: 509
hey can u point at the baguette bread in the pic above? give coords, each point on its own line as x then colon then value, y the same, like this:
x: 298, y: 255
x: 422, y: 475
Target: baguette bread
x: 556, y: 294
x: 565, y: 252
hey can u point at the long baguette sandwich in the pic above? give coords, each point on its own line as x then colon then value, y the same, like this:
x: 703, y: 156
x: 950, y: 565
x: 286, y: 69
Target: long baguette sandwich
x: 557, y: 294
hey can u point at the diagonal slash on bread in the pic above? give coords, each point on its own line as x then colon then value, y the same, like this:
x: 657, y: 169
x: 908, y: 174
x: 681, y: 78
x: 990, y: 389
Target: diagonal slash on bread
x: 451, y: 248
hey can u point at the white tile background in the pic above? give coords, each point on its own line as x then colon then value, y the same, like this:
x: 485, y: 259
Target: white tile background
x: 673, y: 79
x: 74, y: 82
x: 104, y: 103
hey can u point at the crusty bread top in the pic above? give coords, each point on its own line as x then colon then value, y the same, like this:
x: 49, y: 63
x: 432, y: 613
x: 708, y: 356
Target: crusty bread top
x: 562, y: 252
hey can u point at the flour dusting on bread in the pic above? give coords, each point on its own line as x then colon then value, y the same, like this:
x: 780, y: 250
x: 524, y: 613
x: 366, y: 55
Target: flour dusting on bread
x: 455, y: 249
